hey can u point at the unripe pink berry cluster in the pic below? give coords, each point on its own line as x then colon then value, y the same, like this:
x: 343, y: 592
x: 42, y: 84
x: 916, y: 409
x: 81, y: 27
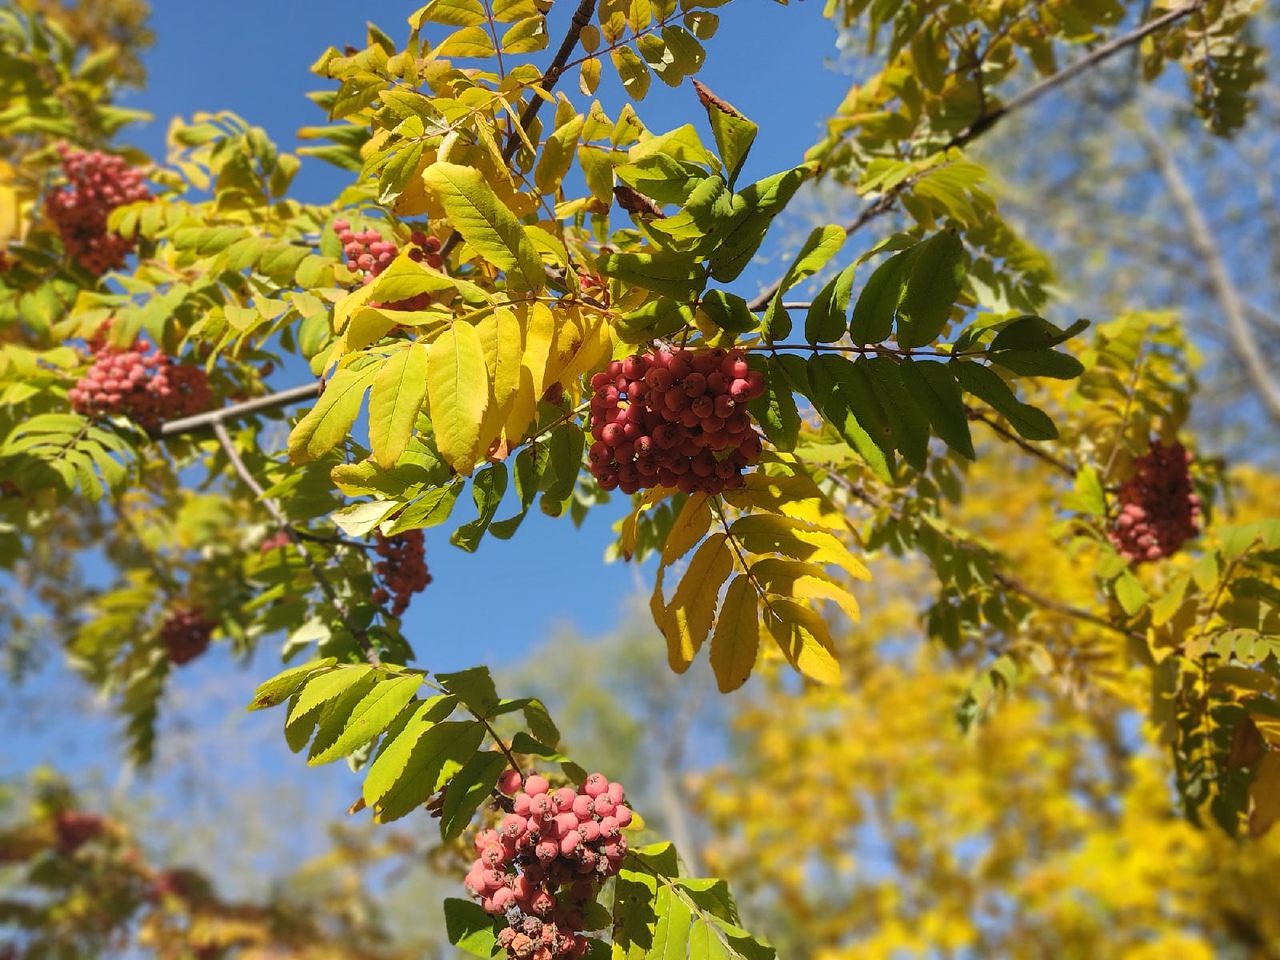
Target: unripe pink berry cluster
x: 674, y: 418
x: 97, y: 184
x: 75, y: 828
x: 141, y: 383
x: 402, y: 569
x: 1159, y: 510
x: 543, y: 864
x: 367, y: 253
x: 185, y: 635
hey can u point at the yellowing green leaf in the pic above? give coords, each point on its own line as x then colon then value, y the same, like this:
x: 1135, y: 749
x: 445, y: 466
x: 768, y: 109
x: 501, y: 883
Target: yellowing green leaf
x: 736, y: 640
x: 458, y: 393
x: 453, y: 13
x: 770, y: 533
x: 557, y: 155
x: 526, y: 36
x: 631, y: 71
x: 394, y: 403
x: 487, y: 225
x: 369, y: 718
x: 803, y: 581
x: 1265, y: 794
x: 467, y: 42
x: 689, y: 527
x: 326, y: 424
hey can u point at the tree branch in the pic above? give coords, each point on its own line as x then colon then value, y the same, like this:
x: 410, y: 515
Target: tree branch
x: 242, y: 471
x: 885, y: 202
x: 1243, y: 343
x: 213, y: 418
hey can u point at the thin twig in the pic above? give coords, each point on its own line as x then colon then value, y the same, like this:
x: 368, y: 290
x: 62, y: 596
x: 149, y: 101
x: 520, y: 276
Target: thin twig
x: 885, y: 202
x: 1000, y: 428
x: 242, y: 471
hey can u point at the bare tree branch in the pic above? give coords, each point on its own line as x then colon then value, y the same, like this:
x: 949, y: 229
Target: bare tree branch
x: 212, y: 418
x: 1241, y: 335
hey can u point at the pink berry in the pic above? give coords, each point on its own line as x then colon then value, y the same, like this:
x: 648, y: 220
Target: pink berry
x: 535, y: 784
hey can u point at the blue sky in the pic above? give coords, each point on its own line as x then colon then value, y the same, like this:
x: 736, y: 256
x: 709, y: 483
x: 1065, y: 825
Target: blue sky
x: 493, y: 606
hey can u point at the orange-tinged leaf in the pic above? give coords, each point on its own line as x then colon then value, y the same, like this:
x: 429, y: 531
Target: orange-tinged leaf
x: 458, y: 393
x: 693, y: 608
x: 326, y: 424
x: 1265, y: 794
x: 769, y: 533
x: 736, y: 640
x: 689, y: 527
x: 802, y: 636
x: 398, y: 391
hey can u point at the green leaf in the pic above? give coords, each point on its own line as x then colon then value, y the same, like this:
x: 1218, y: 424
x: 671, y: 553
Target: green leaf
x: 675, y: 275
x: 399, y: 388
x: 657, y: 318
x: 985, y: 384
x: 487, y: 490
x: 820, y: 247
x: 937, y: 273
x: 776, y: 410
x: 1033, y: 333
x: 280, y: 688
x: 931, y: 384
x: 531, y: 462
x: 474, y: 688
x: 323, y: 688
x: 485, y: 223
x: 756, y: 206
x: 326, y: 424
x: 469, y: 788
x: 827, y: 318
x: 843, y: 395
x: 909, y: 422
x: 877, y: 305
x: 706, y: 943
x: 728, y: 311
x: 631, y: 71
x: 565, y: 449
x: 1039, y: 363
x: 370, y: 717
x: 469, y: 927
x: 733, y: 132
x: 431, y: 508
x: 417, y: 764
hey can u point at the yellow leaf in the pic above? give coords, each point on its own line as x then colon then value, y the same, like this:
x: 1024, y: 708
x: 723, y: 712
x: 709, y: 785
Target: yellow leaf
x: 689, y: 527
x: 658, y: 603
x: 398, y: 391
x: 803, y: 581
x: 467, y: 42
x: 589, y: 76
x: 629, y: 529
x: 539, y: 335
x: 736, y: 640
x: 1265, y: 794
x: 458, y: 394
x: 795, y: 496
x: 326, y: 424
x: 689, y: 616
x: 503, y: 341
x: 582, y: 343
x: 16, y: 204
x: 769, y: 533
x: 803, y: 638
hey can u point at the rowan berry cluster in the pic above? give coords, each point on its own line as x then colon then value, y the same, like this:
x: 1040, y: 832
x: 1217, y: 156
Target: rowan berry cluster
x: 369, y: 254
x: 1159, y: 510
x: 97, y: 184
x: 141, y: 383
x: 543, y: 864
x: 674, y: 419
x: 402, y: 569
x: 75, y: 828
x: 185, y: 635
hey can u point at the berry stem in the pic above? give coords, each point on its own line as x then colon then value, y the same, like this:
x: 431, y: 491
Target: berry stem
x: 359, y: 633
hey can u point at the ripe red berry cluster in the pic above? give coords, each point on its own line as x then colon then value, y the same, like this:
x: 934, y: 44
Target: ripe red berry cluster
x: 402, y: 569
x: 1159, y: 510
x: 141, y: 383
x: 676, y: 419
x: 185, y: 635
x: 369, y: 254
x: 97, y: 184
x: 553, y: 840
x: 75, y: 828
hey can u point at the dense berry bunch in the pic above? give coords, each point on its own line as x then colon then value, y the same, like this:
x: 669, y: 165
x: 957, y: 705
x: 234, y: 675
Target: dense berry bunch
x: 674, y: 419
x: 141, y: 383
x: 1159, y: 511
x: 76, y: 828
x: 543, y: 864
x: 369, y: 254
x: 402, y: 569
x: 185, y: 635
x: 97, y: 184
